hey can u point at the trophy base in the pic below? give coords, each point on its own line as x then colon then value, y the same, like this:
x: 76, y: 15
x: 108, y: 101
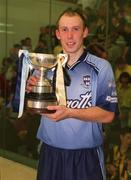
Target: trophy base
x: 38, y: 102
x: 40, y: 111
x: 40, y: 106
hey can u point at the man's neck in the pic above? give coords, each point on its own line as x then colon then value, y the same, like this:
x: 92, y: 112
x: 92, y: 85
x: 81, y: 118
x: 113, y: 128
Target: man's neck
x: 73, y: 57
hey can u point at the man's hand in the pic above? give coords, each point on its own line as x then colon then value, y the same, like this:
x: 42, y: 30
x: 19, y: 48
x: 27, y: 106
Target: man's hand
x: 61, y: 113
x: 31, y: 82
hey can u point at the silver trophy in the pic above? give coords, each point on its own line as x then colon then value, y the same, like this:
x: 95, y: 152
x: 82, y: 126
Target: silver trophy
x: 46, y: 91
x: 43, y: 93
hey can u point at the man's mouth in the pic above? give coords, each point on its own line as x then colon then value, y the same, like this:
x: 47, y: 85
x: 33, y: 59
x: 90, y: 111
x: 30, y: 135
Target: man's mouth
x: 70, y: 44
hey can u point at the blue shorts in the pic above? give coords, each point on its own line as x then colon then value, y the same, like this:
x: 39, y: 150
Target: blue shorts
x: 62, y: 164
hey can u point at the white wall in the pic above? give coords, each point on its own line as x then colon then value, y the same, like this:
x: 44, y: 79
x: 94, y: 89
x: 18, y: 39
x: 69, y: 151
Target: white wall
x: 24, y: 17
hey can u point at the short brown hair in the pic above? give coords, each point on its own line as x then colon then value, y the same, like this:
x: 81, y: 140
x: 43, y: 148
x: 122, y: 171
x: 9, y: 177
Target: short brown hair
x: 72, y: 12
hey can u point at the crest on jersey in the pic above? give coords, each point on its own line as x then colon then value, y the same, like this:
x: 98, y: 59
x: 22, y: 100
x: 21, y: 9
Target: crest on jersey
x: 87, y: 80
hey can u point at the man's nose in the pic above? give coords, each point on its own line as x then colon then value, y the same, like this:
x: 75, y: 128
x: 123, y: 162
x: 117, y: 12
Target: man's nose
x: 70, y: 34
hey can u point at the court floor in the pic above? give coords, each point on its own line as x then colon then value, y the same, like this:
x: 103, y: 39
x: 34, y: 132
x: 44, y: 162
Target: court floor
x: 10, y: 170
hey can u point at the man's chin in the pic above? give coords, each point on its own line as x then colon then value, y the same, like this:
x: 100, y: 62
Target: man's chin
x: 70, y: 50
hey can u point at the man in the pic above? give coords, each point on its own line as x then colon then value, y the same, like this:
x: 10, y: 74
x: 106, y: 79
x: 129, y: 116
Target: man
x: 72, y: 136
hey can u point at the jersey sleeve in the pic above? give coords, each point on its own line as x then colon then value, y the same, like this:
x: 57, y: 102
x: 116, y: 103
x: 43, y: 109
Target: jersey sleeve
x: 106, y: 91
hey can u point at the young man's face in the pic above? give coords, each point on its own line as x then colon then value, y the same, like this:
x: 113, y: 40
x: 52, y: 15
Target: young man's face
x: 71, y: 33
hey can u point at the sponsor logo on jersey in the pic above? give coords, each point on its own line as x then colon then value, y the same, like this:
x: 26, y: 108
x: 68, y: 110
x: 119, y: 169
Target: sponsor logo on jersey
x: 85, y: 101
x: 111, y: 99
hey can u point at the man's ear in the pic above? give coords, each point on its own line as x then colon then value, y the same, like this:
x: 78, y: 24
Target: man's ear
x: 57, y: 34
x: 85, y: 32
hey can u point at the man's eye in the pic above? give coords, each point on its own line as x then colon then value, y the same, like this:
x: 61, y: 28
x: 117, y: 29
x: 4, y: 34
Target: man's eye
x: 76, y: 29
x: 63, y: 29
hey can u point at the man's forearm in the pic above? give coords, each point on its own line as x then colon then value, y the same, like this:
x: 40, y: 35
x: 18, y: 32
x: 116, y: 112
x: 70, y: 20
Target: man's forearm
x: 95, y: 114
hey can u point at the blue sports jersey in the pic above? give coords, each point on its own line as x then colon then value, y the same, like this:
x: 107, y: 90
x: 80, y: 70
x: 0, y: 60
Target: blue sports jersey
x: 92, y: 84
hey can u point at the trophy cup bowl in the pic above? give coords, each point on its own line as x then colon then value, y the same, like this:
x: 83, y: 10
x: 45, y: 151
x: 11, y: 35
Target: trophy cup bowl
x: 42, y: 94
